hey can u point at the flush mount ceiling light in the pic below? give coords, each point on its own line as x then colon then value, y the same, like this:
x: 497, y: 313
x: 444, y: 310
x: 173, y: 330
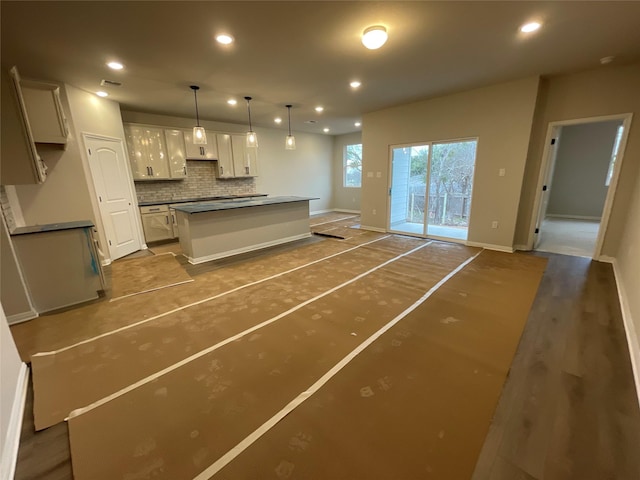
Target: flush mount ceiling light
x: 357, y: 124
x: 325, y: 130
x: 530, y: 27
x: 115, y: 65
x: 224, y: 39
x: 232, y: 101
x: 319, y: 109
x: 199, y: 135
x: 252, y: 138
x: 102, y: 94
x: 290, y: 141
x: 355, y: 84
x: 374, y: 37
x: 278, y: 120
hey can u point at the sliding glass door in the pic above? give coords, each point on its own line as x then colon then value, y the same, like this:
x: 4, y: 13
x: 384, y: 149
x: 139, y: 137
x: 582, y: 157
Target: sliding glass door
x: 431, y: 187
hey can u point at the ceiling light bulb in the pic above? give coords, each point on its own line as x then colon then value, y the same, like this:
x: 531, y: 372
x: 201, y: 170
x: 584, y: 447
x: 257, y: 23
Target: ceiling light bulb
x: 530, y: 27
x: 355, y: 84
x: 357, y: 124
x: 232, y: 101
x: 102, y: 94
x: 115, y: 65
x: 278, y: 120
x: 319, y: 109
x: 224, y: 39
x: 325, y: 130
x: 374, y: 37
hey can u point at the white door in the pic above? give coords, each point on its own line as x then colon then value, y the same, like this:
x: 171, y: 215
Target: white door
x: 111, y: 180
x: 552, y: 152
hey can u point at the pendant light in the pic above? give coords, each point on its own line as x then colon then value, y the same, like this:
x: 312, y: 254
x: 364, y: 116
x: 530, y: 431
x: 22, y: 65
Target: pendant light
x: 199, y: 135
x: 290, y: 141
x: 252, y: 138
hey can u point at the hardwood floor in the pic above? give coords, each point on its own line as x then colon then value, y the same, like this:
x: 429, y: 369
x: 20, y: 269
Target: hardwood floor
x: 568, y: 409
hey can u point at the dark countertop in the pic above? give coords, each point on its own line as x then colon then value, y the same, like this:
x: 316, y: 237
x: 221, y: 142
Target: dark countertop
x: 52, y: 227
x: 231, y: 204
x: 200, y: 199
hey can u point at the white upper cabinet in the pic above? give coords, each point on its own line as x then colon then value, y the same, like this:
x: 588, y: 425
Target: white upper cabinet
x: 147, y: 152
x: 225, y: 156
x: 201, y: 152
x: 46, y: 117
x: 21, y: 163
x: 176, y: 153
x: 245, y: 160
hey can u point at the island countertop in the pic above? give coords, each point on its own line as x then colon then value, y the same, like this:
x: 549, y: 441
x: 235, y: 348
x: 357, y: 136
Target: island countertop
x: 239, y: 203
x: 200, y: 199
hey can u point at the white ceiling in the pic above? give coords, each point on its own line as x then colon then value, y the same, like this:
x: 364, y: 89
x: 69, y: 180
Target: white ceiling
x: 306, y: 53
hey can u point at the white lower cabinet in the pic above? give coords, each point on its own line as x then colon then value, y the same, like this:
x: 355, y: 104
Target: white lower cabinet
x: 174, y: 222
x: 156, y: 223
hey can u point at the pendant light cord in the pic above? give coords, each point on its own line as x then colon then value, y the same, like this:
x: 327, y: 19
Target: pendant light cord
x: 289, y: 112
x: 248, y: 99
x: 195, y: 96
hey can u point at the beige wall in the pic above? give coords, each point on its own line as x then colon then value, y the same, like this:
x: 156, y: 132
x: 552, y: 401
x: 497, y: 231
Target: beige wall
x: 344, y: 198
x: 604, y: 91
x: 500, y: 116
x: 305, y: 171
x: 10, y: 368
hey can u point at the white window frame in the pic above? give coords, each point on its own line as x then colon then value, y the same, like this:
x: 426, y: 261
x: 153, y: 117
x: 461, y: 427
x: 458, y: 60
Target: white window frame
x: 344, y: 166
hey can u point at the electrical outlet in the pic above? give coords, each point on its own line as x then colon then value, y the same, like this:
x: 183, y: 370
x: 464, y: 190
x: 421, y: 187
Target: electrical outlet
x: 494, y: 224
x: 502, y: 172
x: 374, y: 211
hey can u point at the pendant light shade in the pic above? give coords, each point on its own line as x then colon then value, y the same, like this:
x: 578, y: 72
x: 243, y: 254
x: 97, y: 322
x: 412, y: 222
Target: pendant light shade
x: 290, y: 141
x: 252, y: 138
x: 199, y: 135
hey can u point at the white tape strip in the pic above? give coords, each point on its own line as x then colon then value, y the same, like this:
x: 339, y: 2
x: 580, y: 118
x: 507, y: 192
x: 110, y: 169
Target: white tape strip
x: 224, y: 342
x: 150, y: 290
x: 155, y: 317
x: 264, y: 428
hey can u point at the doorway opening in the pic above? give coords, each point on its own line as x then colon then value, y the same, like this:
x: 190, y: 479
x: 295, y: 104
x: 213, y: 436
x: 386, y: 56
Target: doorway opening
x: 581, y: 165
x: 431, y: 189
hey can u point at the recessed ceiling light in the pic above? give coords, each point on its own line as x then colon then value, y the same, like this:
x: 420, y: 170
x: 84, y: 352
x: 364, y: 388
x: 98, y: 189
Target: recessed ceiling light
x: 605, y: 60
x: 232, y: 101
x: 319, y: 109
x: 374, y: 37
x: 278, y: 120
x: 325, y: 130
x: 355, y: 84
x: 115, y: 65
x: 224, y: 39
x: 102, y: 94
x: 357, y: 124
x: 530, y: 27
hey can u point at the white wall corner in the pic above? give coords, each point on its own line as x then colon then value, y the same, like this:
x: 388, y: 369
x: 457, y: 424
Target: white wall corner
x: 372, y: 229
x: 9, y: 455
x: 632, y: 336
x: 22, y: 317
x: 522, y: 248
x: 488, y: 246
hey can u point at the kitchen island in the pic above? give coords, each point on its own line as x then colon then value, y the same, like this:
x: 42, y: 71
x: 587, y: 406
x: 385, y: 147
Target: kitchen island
x: 212, y: 230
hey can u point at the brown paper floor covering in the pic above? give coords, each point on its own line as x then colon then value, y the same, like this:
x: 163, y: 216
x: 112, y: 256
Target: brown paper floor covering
x: 181, y: 422
x: 173, y: 247
x: 145, y: 274
x: 324, y: 218
x: 341, y: 227
x: 53, y: 331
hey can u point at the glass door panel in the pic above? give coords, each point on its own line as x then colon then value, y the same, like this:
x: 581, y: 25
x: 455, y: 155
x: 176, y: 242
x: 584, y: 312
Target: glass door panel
x: 450, y: 188
x: 408, y: 189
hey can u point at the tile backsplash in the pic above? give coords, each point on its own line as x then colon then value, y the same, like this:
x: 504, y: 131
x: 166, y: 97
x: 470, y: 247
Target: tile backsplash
x: 201, y: 181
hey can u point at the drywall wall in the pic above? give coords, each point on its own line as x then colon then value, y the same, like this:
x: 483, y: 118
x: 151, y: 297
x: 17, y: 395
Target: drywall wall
x: 344, y: 198
x: 12, y: 376
x: 500, y: 116
x: 608, y: 90
x: 305, y: 171
x: 628, y: 275
x: 578, y: 187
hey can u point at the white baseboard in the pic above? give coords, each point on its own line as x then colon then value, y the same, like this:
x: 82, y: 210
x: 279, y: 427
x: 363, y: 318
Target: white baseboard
x: 9, y: 455
x: 572, y: 217
x: 343, y: 210
x: 522, y: 248
x: 632, y: 336
x: 373, y: 229
x: 318, y: 212
x: 488, y: 246
x: 22, y: 317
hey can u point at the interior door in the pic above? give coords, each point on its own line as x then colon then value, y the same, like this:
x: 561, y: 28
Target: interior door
x: 111, y: 180
x: 552, y: 153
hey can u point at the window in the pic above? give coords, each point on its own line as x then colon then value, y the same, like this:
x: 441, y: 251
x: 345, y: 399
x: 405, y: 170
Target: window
x: 614, y: 155
x: 352, y: 163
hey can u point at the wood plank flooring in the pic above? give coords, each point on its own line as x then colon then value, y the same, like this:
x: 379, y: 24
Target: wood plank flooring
x: 568, y: 409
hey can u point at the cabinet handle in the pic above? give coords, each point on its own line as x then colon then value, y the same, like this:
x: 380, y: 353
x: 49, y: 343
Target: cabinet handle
x: 185, y: 170
x: 221, y: 170
x: 167, y: 218
x: 154, y: 209
x: 151, y: 171
x: 148, y: 172
x: 173, y: 219
x: 246, y: 169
